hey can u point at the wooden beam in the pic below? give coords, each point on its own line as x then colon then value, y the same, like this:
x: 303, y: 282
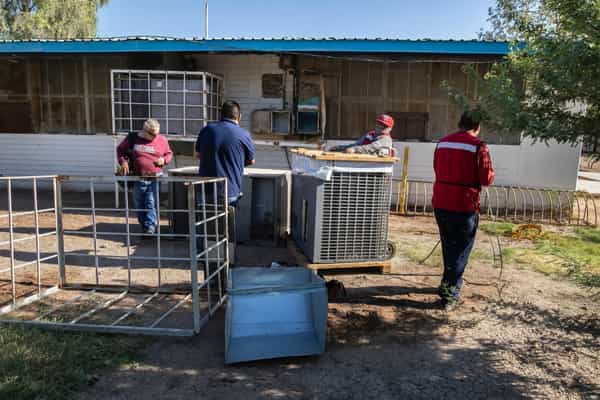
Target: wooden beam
x: 86, y: 96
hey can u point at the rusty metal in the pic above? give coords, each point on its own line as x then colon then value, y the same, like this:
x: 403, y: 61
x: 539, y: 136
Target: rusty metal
x: 508, y: 203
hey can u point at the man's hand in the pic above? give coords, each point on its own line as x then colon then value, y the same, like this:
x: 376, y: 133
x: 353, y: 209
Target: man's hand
x: 125, y: 168
x: 160, y: 162
x: 349, y: 150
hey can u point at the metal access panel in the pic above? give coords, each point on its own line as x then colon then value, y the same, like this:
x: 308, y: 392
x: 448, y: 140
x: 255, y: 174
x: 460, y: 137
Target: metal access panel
x: 274, y: 312
x: 344, y: 219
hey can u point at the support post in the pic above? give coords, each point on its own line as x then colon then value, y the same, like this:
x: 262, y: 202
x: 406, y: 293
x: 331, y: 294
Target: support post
x: 60, y: 238
x: 12, y: 244
x: 86, y: 96
x: 404, y: 195
x: 193, y: 256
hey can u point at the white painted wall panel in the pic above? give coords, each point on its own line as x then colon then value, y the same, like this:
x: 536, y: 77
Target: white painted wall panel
x: 531, y: 165
x: 39, y: 154
x: 243, y: 80
x: 535, y: 165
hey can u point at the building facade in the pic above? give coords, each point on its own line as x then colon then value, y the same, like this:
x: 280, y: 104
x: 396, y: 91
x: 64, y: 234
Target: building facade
x: 65, y: 104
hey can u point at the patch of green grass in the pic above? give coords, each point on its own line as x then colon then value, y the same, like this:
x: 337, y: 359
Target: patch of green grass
x: 498, y: 228
x: 588, y: 234
x: 576, y: 255
x: 416, y: 251
x: 38, y: 364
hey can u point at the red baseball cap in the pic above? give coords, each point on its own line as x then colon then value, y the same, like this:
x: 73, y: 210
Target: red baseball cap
x: 385, y: 120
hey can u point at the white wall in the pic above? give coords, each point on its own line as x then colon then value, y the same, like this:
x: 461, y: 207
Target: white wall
x: 40, y: 154
x: 243, y: 80
x: 531, y: 165
x: 538, y: 165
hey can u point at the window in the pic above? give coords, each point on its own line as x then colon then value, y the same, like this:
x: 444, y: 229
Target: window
x: 272, y: 86
x: 183, y: 102
x: 410, y: 126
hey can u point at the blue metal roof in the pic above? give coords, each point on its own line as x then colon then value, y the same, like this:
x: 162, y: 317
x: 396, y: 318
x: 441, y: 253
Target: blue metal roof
x: 145, y: 44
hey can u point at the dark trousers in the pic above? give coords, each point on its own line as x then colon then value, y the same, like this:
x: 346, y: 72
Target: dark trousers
x: 457, y: 234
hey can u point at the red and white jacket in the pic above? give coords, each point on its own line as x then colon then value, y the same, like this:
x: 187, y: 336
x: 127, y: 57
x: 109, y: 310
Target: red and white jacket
x: 462, y: 165
x: 371, y: 143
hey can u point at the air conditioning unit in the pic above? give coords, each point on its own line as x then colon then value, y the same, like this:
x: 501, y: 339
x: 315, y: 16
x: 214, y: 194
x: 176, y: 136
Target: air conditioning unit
x: 307, y: 122
x: 340, y: 209
x: 264, y: 210
x: 276, y: 122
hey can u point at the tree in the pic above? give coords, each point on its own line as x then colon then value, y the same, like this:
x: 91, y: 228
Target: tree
x: 548, y: 86
x: 48, y: 19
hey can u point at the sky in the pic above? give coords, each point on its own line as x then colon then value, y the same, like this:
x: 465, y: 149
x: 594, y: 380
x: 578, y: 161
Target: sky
x: 410, y: 19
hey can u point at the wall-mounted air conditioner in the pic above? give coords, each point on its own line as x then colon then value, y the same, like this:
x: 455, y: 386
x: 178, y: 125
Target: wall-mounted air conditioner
x: 276, y: 122
x: 307, y: 122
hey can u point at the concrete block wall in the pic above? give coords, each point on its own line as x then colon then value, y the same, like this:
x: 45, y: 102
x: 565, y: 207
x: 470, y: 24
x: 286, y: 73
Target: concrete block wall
x: 243, y: 80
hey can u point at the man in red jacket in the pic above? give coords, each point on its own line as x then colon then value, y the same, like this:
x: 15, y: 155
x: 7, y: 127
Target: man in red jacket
x: 462, y: 166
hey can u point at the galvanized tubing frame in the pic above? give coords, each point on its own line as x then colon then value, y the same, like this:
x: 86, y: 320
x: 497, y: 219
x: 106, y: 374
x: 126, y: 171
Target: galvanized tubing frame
x: 200, y: 215
x: 17, y: 301
x: 508, y: 203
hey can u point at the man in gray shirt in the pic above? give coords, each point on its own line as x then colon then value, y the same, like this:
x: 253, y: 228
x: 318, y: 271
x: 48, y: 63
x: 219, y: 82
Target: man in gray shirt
x: 377, y: 142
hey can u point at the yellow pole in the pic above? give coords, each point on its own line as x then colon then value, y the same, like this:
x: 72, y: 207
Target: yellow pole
x: 404, y: 193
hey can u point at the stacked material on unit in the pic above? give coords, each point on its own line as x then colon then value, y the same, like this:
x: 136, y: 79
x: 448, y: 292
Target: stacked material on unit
x: 274, y: 312
x: 340, y: 205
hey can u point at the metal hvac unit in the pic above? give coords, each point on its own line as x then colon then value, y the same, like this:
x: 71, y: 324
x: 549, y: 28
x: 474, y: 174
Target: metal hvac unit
x: 340, y: 209
x: 264, y: 210
x: 271, y: 122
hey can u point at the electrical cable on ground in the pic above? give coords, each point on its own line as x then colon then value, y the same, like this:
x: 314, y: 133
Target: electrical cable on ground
x: 496, y: 256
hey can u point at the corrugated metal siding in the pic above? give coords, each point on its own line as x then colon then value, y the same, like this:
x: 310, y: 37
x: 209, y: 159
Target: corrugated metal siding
x: 273, y: 45
x: 39, y: 154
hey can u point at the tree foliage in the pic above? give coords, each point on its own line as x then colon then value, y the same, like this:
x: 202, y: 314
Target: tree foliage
x: 48, y: 19
x: 548, y: 87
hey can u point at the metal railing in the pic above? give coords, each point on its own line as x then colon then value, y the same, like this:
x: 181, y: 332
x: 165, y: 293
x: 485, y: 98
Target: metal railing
x: 106, y: 303
x: 508, y: 203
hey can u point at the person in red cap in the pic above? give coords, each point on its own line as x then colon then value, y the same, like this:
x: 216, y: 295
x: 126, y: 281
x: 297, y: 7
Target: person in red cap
x: 377, y: 141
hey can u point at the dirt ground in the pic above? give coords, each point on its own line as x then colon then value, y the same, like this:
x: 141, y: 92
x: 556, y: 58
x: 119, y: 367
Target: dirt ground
x: 527, y: 336
x: 530, y: 336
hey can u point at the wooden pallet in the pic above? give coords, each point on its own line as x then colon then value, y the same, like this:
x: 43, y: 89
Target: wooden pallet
x: 335, y: 156
x: 384, y: 267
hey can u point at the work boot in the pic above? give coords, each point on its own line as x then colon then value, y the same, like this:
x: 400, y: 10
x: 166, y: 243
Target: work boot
x: 450, y: 303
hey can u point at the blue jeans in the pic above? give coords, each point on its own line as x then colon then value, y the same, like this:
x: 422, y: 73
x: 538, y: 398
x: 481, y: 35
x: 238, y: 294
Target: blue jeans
x: 457, y: 234
x: 145, y: 197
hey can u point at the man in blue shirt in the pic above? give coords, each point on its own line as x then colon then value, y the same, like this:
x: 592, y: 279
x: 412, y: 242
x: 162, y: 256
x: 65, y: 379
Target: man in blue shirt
x: 224, y: 149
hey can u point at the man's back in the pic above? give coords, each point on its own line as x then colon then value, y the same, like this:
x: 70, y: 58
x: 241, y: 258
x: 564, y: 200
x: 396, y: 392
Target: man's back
x: 224, y: 149
x: 462, y: 165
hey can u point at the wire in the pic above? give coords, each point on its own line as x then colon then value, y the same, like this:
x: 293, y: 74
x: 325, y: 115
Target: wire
x: 495, y: 256
x: 430, y: 253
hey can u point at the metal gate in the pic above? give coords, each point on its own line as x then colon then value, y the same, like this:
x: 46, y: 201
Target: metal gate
x: 90, y: 267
